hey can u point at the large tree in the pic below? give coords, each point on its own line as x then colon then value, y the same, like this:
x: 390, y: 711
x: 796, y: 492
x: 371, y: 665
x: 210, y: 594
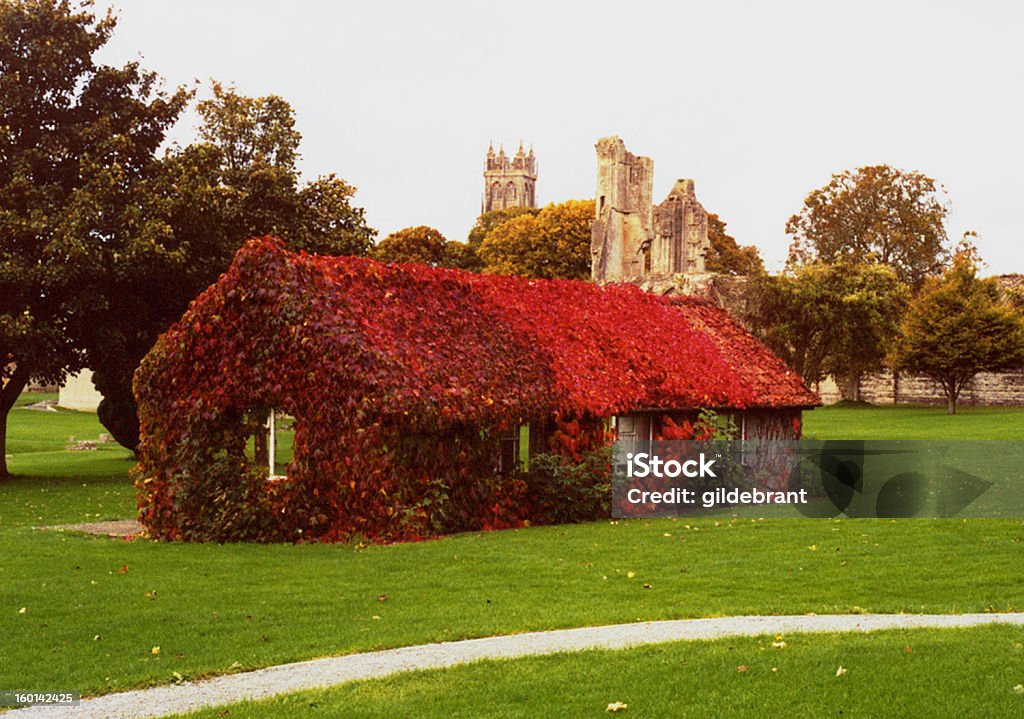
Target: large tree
x: 957, y: 326
x: 875, y: 214
x: 201, y: 203
x: 554, y: 243
x: 829, y: 319
x: 76, y: 137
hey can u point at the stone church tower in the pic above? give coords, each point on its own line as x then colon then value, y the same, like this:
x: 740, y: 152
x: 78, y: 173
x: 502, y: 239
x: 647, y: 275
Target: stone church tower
x: 509, y: 181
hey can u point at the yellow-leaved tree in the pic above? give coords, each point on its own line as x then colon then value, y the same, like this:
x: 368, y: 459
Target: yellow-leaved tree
x: 957, y: 326
x: 554, y: 243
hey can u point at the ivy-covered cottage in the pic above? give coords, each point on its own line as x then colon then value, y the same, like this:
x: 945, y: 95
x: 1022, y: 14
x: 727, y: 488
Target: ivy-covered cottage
x: 412, y: 387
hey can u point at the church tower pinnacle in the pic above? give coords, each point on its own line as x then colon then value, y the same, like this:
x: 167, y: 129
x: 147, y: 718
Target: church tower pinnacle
x: 509, y: 181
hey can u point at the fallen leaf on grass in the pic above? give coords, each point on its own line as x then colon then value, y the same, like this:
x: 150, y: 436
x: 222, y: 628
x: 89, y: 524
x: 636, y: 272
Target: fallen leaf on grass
x: 616, y: 707
x: 630, y: 575
x: 742, y: 668
x: 154, y: 651
x: 23, y: 610
x: 123, y: 569
x: 840, y: 671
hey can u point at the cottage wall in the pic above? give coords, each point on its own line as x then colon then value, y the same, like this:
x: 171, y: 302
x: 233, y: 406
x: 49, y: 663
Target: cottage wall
x: 763, y: 424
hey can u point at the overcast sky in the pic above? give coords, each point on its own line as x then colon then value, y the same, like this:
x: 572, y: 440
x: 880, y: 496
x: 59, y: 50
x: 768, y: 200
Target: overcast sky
x: 758, y: 102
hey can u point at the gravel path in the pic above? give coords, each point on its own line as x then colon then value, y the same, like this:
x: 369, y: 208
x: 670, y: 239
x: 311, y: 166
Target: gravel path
x: 319, y: 673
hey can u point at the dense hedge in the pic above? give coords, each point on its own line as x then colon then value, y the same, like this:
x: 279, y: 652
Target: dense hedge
x: 401, y: 380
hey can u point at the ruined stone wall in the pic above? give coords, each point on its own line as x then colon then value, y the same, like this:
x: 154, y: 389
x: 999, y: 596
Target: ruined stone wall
x: 623, y: 221
x: 630, y: 237
x: 681, y: 232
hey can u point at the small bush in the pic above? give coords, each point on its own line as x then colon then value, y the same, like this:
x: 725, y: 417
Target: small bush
x: 561, y: 490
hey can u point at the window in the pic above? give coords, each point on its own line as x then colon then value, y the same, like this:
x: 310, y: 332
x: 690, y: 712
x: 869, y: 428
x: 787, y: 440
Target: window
x: 272, y: 429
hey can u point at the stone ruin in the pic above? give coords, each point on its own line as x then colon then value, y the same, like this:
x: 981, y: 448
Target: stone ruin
x: 631, y: 238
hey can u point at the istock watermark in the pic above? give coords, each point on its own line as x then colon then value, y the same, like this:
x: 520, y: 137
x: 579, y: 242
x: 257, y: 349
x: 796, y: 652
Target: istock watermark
x: 646, y: 465
x: 819, y: 478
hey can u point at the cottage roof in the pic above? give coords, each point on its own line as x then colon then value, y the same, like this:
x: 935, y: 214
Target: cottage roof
x: 429, y: 347
x: 772, y: 382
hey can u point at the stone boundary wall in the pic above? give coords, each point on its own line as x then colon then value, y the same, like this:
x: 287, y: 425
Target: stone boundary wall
x: 987, y: 388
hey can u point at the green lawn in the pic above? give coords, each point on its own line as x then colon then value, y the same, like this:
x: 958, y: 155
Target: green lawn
x: 916, y: 673
x: 909, y: 422
x: 94, y: 608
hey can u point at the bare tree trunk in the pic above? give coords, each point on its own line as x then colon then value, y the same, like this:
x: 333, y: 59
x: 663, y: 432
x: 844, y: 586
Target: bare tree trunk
x: 952, y: 393
x: 849, y: 386
x: 8, y: 396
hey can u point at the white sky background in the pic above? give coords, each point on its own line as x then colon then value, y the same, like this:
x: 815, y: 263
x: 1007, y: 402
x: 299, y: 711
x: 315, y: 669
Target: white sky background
x: 758, y: 102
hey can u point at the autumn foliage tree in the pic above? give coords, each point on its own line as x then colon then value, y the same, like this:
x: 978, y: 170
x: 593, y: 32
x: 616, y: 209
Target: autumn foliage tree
x: 957, y: 326
x: 875, y: 214
x: 554, y: 243
x: 727, y: 257
x: 422, y: 244
x: 489, y: 220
